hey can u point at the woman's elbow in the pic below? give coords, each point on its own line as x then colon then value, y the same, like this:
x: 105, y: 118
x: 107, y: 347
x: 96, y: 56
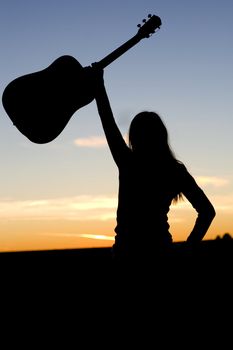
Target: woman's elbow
x: 210, y: 212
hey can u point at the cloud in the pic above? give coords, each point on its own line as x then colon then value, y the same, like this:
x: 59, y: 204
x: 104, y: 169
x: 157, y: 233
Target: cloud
x: 223, y: 203
x: 94, y: 236
x: 94, y: 141
x: 82, y: 235
x: 91, y: 142
x: 101, y: 207
x: 212, y: 180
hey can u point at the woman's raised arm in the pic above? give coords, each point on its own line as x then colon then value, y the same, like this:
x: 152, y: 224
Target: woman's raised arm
x: 115, y: 140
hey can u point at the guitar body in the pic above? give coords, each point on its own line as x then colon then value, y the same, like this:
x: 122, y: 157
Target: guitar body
x: 41, y: 104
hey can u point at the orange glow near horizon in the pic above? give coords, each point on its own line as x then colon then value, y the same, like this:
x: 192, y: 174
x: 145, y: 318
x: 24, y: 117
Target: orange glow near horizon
x: 87, y: 222
x: 48, y: 234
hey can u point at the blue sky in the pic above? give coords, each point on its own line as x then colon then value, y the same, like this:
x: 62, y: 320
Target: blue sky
x: 184, y: 72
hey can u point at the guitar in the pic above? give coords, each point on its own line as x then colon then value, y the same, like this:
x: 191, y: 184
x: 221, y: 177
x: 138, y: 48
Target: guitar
x: 40, y: 104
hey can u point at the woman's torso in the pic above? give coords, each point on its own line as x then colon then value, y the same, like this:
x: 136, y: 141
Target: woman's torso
x: 146, y: 190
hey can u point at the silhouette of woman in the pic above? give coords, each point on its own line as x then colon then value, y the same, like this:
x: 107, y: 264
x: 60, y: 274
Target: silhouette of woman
x: 150, y: 179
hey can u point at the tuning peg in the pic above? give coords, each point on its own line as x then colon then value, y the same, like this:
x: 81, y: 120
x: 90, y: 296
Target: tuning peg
x: 139, y: 25
x: 149, y: 16
x: 144, y: 20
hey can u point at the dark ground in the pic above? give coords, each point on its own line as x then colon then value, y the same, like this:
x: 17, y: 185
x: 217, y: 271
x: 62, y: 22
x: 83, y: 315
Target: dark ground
x: 211, y: 261
x: 46, y: 292
x: 216, y: 256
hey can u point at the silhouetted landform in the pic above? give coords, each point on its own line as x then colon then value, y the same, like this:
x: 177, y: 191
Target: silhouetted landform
x: 189, y: 292
x: 210, y: 257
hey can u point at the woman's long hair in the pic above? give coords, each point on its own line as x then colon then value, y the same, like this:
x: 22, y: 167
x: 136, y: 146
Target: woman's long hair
x: 148, y: 135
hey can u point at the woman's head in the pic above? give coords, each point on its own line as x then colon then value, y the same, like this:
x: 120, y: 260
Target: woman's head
x: 147, y: 133
x: 148, y: 136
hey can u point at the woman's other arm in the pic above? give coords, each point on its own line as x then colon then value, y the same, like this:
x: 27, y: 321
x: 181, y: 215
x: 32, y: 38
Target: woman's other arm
x: 202, y: 205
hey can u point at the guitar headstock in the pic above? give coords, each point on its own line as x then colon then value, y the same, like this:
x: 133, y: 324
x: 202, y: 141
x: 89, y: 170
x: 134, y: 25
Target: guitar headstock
x: 149, y: 27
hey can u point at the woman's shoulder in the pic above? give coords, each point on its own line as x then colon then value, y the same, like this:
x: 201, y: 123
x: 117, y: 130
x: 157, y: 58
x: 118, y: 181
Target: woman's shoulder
x: 186, y: 179
x: 179, y: 167
x: 182, y: 172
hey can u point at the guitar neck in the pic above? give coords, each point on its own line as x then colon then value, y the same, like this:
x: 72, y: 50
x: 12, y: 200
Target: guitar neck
x: 119, y: 51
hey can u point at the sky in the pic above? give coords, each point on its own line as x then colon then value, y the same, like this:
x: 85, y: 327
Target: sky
x: 63, y: 194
